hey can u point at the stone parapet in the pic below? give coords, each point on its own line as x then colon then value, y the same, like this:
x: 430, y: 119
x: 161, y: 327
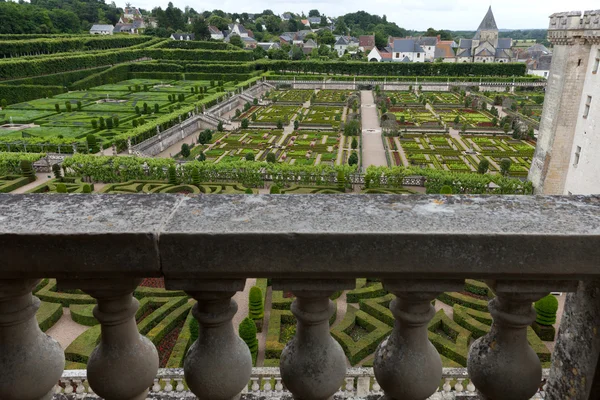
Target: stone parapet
x: 419, y: 246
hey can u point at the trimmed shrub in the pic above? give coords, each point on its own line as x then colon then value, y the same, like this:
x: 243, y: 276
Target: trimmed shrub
x: 83, y: 314
x: 86, y: 189
x: 257, y: 307
x: 195, y: 176
x: 456, y: 349
x: 27, y: 170
x: 546, y: 309
x: 172, y: 175
x: 452, y: 298
x: 477, y: 287
x: 185, y: 150
x: 61, y: 188
x: 275, y: 190
x: 48, y: 314
x: 446, y: 189
x: 247, y: 331
x: 249, y: 156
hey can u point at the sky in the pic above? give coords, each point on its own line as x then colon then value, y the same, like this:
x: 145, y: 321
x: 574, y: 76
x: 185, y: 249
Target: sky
x: 409, y: 14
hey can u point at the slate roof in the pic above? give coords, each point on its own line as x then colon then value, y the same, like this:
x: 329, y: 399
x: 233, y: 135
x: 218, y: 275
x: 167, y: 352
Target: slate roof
x: 465, y: 43
x: 314, y: 20
x: 502, y: 53
x: 405, y: 59
x: 488, y: 23
x: 464, y: 53
x: 240, y: 28
x: 341, y: 41
x: 214, y: 30
x: 123, y: 28
x: 100, y: 27
x: 427, y: 40
x: 504, y: 43
x: 310, y: 44
x: 543, y: 63
x: 407, y: 46
x: 485, y: 53
x: 269, y: 45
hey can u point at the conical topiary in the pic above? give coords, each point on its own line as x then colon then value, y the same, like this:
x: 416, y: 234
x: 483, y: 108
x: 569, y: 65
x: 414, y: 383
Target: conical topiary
x: 195, y: 177
x: 257, y: 308
x: 27, y: 170
x: 247, y: 331
x: 172, y: 175
x: 546, y: 309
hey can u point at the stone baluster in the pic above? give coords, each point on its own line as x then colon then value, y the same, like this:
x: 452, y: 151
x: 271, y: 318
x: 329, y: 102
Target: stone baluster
x: 447, y: 385
x: 459, y: 385
x: 470, y: 387
x: 124, y: 364
x: 30, y: 362
x: 156, y: 387
x: 267, y: 387
x: 406, y: 364
x: 218, y: 365
x: 255, y: 386
x: 313, y: 364
x: 179, y: 388
x: 168, y: 385
x: 278, y: 385
x: 502, y: 364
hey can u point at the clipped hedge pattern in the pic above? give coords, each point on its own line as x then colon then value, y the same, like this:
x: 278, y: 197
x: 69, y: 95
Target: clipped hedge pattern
x: 356, y: 351
x: 184, y: 341
x: 453, y: 298
x: 366, y: 292
x: 83, y: 314
x: 17, y: 94
x: 456, y: 349
x: 48, y: 314
x: 477, y: 287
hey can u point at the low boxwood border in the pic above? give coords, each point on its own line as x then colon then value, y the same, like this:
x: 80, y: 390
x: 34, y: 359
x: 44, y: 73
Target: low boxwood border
x: 83, y: 314
x: 477, y: 287
x: 452, y: 298
x: 48, y: 314
x: 456, y: 350
x: 49, y: 294
x: 366, y: 292
x: 184, y: 341
x: 357, y: 351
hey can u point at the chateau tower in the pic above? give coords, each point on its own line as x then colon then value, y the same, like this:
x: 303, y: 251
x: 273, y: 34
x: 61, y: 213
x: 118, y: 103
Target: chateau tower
x: 567, y: 158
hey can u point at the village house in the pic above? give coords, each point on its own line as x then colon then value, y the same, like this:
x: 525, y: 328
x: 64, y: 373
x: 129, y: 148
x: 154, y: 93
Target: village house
x: 445, y: 51
x: 215, y: 33
x: 346, y: 43
x: 366, y: 43
x: 309, y: 46
x: 485, y: 46
x: 266, y: 46
x: 99, y: 29
x: 183, y: 36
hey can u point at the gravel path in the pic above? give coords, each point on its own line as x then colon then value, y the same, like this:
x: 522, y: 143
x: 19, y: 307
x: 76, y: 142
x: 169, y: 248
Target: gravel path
x: 373, y: 152
x: 41, y: 178
x: 241, y: 298
x: 262, y: 336
x: 65, y: 330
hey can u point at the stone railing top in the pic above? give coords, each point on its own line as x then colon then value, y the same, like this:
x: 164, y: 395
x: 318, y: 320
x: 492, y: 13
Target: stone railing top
x: 300, y: 236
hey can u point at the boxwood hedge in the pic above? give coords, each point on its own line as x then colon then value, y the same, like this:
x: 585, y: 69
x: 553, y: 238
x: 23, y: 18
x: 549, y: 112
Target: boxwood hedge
x: 48, y: 314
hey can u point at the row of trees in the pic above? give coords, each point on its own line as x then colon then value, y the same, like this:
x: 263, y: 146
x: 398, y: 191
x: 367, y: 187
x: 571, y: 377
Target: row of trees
x: 55, y: 16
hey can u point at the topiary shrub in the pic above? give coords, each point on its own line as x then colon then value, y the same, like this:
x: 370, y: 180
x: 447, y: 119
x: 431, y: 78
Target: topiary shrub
x: 256, y: 305
x: 271, y: 158
x: 86, y: 189
x: 446, y: 189
x: 61, y: 188
x: 275, y: 190
x: 546, y: 310
x: 195, y: 177
x: 249, y: 191
x: 247, y: 331
x: 172, y: 174
x: 56, y: 172
x: 27, y: 170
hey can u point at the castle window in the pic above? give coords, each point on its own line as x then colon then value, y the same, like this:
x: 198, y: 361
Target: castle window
x: 588, y: 103
x: 577, y: 154
x: 596, y: 63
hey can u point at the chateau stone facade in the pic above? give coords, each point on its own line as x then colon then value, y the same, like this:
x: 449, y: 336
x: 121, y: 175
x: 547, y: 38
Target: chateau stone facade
x: 566, y: 159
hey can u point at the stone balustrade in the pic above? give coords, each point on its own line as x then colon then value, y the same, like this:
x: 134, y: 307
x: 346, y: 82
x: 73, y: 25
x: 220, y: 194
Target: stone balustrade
x: 523, y: 246
x: 266, y: 383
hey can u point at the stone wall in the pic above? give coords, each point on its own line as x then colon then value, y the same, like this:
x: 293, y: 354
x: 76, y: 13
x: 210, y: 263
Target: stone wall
x: 570, y: 63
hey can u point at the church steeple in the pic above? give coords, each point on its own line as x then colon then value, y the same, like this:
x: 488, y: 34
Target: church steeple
x: 487, y: 24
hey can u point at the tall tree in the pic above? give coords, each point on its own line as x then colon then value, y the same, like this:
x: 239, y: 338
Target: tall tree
x: 200, y: 29
x: 314, y: 13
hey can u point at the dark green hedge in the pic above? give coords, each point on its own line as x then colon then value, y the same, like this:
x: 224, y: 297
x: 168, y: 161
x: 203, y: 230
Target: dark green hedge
x: 213, y: 55
x: 112, y: 75
x: 477, y: 287
x: 60, y: 79
x: 356, y: 351
x: 452, y: 298
x: 156, y: 75
x: 19, y: 94
x: 83, y: 314
x: 15, y: 48
x: 368, y: 292
x: 12, y: 69
x: 156, y: 67
x: 184, y: 341
x: 193, y: 76
x: 192, y: 44
x: 49, y: 294
x: 12, y: 183
x: 390, y: 69
x: 222, y: 68
x: 456, y: 349
x: 48, y: 314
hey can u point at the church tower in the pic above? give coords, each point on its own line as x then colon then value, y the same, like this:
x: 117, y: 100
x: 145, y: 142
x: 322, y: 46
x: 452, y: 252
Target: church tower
x: 487, y: 31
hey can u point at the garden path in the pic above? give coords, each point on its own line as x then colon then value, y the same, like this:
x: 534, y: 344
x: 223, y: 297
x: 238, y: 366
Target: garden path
x: 65, y: 330
x: 241, y: 298
x: 262, y: 336
x: 373, y: 152
x: 401, y: 152
x: 342, y: 306
x: 41, y: 178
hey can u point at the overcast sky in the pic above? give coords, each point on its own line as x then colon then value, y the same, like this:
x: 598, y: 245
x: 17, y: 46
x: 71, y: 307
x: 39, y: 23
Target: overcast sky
x: 410, y: 14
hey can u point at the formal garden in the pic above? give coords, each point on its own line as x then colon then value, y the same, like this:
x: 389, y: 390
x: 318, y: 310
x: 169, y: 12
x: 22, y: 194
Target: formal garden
x: 464, y: 154
x: 107, y: 112
x: 361, y: 322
